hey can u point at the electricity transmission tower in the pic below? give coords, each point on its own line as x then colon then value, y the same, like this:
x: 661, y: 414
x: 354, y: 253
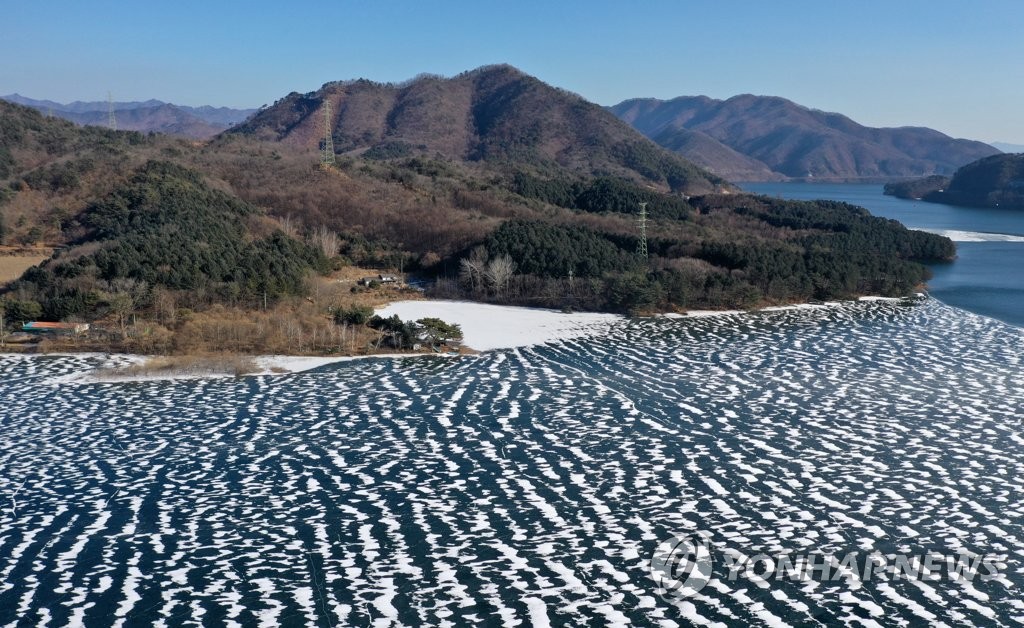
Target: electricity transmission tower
x: 641, y: 246
x: 327, y: 157
x: 111, y: 120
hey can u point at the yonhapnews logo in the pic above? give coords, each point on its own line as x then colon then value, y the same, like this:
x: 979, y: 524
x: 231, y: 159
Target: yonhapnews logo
x: 683, y: 565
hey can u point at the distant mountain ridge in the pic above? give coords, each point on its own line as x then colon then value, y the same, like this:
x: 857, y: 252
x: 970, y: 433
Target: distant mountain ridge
x: 495, y: 116
x: 1006, y: 147
x: 767, y: 137
x: 150, y: 115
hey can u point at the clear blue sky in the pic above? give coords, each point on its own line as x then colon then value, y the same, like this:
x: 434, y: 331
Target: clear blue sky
x: 956, y: 66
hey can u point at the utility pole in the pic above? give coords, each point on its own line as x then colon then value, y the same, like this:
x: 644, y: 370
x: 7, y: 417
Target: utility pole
x: 641, y: 246
x: 327, y: 157
x: 111, y: 120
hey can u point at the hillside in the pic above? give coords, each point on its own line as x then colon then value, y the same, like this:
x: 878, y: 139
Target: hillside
x: 50, y: 169
x: 996, y: 181
x: 494, y: 116
x: 708, y: 152
x: 151, y: 115
x: 917, y: 189
x: 788, y: 140
x: 156, y: 256
x: 168, y: 245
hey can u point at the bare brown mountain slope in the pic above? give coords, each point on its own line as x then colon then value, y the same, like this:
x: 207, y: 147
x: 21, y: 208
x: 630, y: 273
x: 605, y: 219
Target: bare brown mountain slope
x: 796, y: 141
x: 496, y: 115
x: 718, y: 158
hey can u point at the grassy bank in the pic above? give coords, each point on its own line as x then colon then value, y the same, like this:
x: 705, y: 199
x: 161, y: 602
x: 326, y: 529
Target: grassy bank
x: 291, y: 326
x: 181, y: 366
x: 16, y: 260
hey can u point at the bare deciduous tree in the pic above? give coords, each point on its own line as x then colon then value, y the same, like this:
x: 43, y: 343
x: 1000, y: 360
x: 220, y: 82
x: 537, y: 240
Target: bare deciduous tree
x: 469, y: 273
x: 499, y: 272
x: 473, y: 269
x: 289, y: 227
x: 165, y: 306
x: 325, y: 240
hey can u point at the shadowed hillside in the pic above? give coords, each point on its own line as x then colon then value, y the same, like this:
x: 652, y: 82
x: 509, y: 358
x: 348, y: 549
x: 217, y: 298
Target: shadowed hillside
x: 715, y: 156
x: 996, y: 181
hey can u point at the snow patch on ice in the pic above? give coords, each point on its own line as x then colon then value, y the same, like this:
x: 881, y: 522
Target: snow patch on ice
x: 488, y: 327
x: 975, y: 236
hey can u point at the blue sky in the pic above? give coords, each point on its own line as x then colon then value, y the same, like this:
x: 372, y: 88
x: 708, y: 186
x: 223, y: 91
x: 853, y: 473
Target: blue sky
x: 954, y: 66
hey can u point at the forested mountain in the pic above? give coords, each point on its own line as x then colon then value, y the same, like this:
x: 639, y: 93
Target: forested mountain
x: 509, y: 211
x: 779, y: 138
x: 917, y: 189
x: 494, y: 115
x: 996, y: 181
x: 151, y: 115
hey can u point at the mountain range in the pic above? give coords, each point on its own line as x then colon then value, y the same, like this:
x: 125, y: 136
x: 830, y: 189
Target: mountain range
x: 145, y: 116
x: 744, y: 138
x: 494, y: 114
x: 763, y: 138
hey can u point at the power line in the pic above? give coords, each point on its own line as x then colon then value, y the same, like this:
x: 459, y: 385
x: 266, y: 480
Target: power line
x: 327, y: 157
x: 641, y: 246
x: 111, y: 120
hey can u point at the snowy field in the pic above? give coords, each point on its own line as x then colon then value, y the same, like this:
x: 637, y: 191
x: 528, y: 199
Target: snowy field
x: 488, y: 327
x: 526, y: 485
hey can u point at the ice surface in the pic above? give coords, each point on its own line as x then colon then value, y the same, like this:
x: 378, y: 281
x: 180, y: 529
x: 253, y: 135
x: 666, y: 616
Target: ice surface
x: 975, y: 236
x: 524, y: 485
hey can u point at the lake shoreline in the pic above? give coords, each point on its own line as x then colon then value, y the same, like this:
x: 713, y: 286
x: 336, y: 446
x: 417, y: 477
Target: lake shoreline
x: 486, y: 327
x: 987, y: 276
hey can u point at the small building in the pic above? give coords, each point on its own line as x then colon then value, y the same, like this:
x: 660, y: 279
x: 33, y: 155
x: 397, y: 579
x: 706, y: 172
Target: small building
x: 379, y: 279
x: 66, y: 329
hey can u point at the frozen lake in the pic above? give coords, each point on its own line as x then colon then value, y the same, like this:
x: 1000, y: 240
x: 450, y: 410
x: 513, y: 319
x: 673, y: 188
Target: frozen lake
x: 525, y: 485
